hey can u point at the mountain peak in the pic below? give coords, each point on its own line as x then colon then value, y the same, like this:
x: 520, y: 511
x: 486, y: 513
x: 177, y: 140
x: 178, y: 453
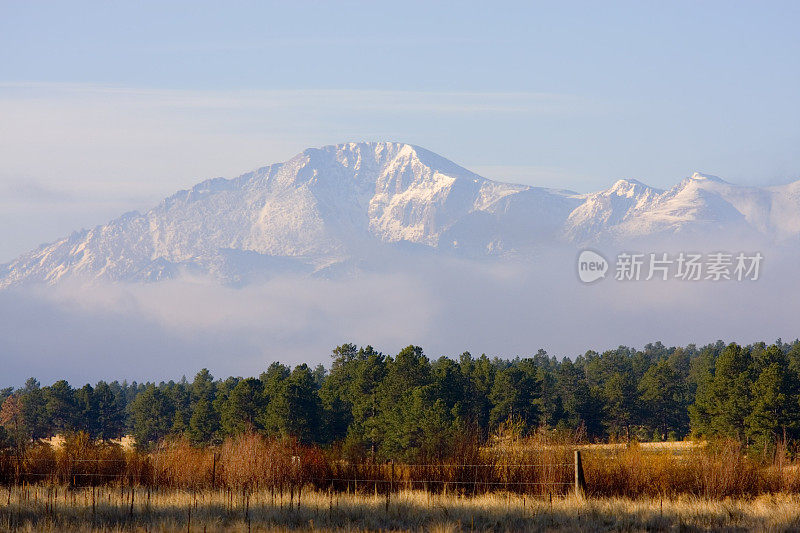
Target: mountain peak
x: 699, y: 176
x: 629, y: 188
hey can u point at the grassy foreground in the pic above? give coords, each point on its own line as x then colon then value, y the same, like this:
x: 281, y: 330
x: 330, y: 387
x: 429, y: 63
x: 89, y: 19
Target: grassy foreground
x: 42, y: 508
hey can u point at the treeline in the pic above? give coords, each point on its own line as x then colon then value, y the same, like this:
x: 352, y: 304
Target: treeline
x: 407, y: 406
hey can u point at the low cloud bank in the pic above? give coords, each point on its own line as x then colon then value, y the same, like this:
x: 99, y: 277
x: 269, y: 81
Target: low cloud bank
x: 165, y: 330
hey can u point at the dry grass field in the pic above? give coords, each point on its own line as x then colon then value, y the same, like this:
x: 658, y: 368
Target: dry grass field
x: 252, y: 483
x: 46, y: 508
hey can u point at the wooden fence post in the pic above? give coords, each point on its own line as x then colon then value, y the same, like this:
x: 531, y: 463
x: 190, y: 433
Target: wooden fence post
x: 214, y: 472
x: 390, y: 488
x: 580, y: 481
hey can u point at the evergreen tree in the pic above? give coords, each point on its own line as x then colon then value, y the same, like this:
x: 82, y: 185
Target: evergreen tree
x: 319, y: 373
x: 203, y: 425
x: 33, y: 406
x: 620, y: 399
x: 296, y: 410
x: 273, y: 380
x: 62, y: 408
x: 243, y: 409
x: 411, y: 368
x: 580, y: 408
x: 202, y: 387
x: 181, y: 400
x: 391, y: 403
x: 449, y: 385
x: 86, y: 407
x: 662, y: 394
x: 153, y: 414
x: 701, y: 379
x: 730, y: 392
x: 479, y: 375
x: 109, y: 421
x: 516, y: 394
x: 773, y: 411
x: 552, y: 405
x: 420, y: 428
x: 204, y: 421
x: 338, y: 391
x: 223, y: 392
x: 369, y: 374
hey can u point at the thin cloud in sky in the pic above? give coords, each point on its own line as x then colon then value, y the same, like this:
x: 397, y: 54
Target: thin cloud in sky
x: 30, y: 190
x: 443, y: 102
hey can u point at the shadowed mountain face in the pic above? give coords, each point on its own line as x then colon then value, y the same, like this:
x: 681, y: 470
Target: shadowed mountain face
x: 338, y: 208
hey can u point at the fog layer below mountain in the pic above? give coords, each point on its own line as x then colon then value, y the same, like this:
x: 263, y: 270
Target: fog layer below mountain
x: 165, y: 330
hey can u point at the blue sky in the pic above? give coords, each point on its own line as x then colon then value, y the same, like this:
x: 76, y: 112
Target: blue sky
x: 109, y: 106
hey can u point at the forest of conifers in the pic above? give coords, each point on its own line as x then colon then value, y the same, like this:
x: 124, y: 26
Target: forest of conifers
x: 408, y: 406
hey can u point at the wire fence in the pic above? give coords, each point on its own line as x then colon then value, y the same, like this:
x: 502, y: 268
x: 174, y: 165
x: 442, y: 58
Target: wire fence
x: 380, y: 477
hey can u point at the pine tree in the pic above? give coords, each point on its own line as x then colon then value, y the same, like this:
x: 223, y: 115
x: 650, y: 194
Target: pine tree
x: 221, y: 395
x: 619, y: 395
x: 662, y: 392
x: 202, y: 387
x: 244, y: 407
x: 274, y: 382
x: 773, y: 410
x: 204, y: 421
x: 86, y: 407
x: 701, y: 379
x: 388, y: 409
x: 516, y: 393
x: 109, y: 413
x: 449, y: 385
x: 203, y: 424
x: 480, y: 375
x: 581, y: 409
x: 181, y: 400
x: 319, y: 373
x: 153, y: 414
x: 297, y: 410
x: 62, y: 408
x: 364, y: 433
x: 337, y: 391
x: 33, y: 407
x: 730, y: 392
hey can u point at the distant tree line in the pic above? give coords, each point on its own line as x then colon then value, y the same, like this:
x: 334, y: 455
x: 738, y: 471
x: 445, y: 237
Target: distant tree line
x: 407, y: 406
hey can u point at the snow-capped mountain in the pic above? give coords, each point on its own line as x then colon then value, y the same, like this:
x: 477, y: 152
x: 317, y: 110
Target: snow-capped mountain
x: 338, y: 204
x: 701, y: 206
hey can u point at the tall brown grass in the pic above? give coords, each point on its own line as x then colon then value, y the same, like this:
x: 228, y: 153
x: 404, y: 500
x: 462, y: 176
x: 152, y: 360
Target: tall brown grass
x: 717, y: 470
x: 541, y: 464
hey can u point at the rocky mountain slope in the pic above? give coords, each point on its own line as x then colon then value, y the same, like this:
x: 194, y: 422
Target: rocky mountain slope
x: 336, y: 205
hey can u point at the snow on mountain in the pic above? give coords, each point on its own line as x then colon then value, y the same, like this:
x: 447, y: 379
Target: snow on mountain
x: 606, y: 212
x: 339, y: 204
x: 701, y: 205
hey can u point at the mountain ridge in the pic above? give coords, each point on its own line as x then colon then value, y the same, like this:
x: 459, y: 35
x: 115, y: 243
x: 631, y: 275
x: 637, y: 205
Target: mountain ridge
x: 339, y: 204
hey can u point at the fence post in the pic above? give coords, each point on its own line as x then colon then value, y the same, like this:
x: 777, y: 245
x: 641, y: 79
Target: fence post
x: 214, y: 472
x: 580, y: 481
x: 391, y: 485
